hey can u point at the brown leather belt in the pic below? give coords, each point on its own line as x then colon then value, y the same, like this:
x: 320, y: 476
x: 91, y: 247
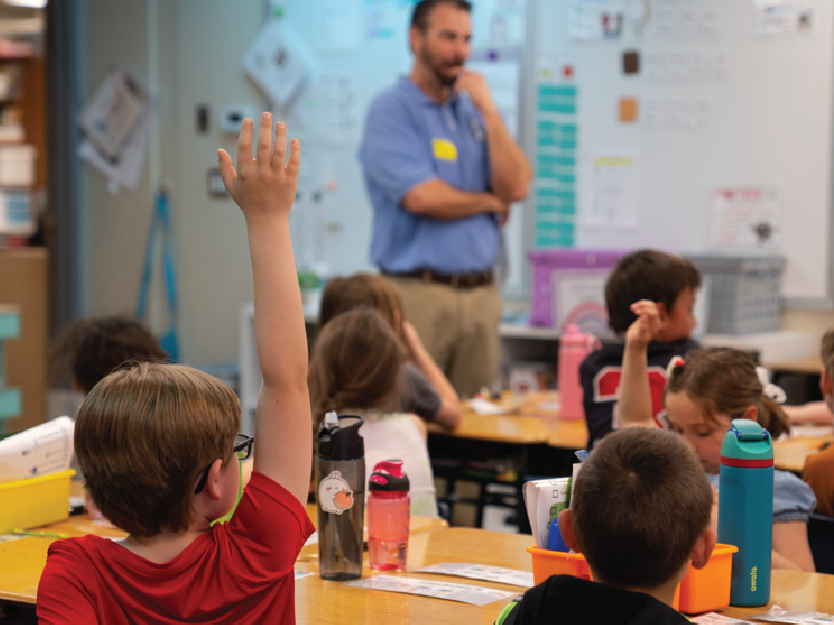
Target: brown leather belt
x: 455, y: 280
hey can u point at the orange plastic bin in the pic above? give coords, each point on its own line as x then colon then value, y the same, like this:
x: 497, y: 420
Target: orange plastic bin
x: 700, y: 591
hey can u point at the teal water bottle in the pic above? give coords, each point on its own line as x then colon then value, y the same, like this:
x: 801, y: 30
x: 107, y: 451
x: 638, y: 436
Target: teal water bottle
x: 745, y: 510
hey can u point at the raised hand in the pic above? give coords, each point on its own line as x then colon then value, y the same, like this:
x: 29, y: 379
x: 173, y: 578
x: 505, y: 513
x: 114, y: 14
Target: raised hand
x: 267, y: 183
x: 647, y: 326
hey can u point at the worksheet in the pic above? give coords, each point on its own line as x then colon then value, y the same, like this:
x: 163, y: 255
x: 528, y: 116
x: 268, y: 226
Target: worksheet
x: 482, y: 572
x: 464, y: 593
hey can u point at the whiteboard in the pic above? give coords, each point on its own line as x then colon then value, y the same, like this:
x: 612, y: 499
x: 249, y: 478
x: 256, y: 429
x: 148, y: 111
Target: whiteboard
x: 718, y: 106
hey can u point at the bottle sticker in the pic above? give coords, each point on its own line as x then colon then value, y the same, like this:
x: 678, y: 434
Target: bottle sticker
x: 334, y: 494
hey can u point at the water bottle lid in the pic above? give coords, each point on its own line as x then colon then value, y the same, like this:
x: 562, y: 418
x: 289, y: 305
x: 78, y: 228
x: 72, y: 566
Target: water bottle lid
x: 331, y: 419
x: 747, y: 445
x: 388, y: 476
x: 341, y: 441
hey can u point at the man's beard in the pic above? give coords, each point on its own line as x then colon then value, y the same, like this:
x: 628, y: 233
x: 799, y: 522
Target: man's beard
x: 437, y: 68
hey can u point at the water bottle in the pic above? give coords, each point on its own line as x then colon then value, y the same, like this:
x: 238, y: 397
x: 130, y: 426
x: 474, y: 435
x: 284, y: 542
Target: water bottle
x: 574, y: 346
x: 340, y: 479
x: 388, y: 514
x: 745, y: 510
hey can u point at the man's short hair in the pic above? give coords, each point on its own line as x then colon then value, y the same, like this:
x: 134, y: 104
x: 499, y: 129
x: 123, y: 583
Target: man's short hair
x: 420, y: 16
x: 646, y: 274
x: 827, y: 352
x: 639, y: 504
x: 143, y: 436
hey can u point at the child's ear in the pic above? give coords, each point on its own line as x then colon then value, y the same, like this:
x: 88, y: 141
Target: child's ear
x: 826, y: 383
x: 212, y: 487
x: 751, y: 413
x: 702, y: 550
x: 566, y: 528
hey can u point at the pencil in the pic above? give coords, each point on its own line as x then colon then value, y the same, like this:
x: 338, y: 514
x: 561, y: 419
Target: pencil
x: 21, y: 532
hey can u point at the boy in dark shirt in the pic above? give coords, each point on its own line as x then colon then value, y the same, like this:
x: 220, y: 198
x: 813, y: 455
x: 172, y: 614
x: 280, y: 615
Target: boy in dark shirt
x: 640, y: 512
x: 671, y: 281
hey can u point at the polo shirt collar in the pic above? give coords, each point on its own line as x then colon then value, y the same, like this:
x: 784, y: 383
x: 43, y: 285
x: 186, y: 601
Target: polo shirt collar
x: 420, y: 96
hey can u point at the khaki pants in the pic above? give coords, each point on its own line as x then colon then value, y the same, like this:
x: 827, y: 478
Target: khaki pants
x: 458, y: 327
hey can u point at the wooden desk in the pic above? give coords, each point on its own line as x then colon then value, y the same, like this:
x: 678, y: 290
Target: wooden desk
x: 22, y: 560
x: 790, y: 455
x: 532, y: 437
x: 811, y: 365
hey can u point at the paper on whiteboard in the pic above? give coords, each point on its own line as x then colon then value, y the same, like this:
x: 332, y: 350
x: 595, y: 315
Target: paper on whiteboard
x: 336, y: 108
x: 596, y: 19
x: 277, y: 62
x: 785, y: 18
x: 613, y: 186
x: 746, y: 217
x: 43, y: 449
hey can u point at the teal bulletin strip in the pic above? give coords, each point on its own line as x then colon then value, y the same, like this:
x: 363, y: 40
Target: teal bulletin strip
x: 556, y: 163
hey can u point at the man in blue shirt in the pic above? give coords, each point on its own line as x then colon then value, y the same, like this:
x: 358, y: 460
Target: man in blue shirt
x: 441, y: 172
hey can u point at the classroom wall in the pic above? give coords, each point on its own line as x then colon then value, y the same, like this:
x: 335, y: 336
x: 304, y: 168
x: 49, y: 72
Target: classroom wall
x: 187, y: 53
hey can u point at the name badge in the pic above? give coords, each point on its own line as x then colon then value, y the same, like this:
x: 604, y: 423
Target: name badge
x: 444, y: 150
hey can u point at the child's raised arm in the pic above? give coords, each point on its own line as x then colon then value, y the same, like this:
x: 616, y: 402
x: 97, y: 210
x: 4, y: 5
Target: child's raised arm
x: 635, y: 401
x: 264, y: 188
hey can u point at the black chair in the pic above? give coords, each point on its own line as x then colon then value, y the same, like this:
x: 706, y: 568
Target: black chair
x: 821, y: 540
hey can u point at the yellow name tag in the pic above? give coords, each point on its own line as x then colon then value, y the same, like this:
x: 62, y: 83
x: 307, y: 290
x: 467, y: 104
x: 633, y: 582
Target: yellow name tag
x: 444, y: 150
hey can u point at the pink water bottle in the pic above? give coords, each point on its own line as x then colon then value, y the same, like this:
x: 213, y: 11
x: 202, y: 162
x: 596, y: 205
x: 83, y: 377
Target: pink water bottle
x: 574, y: 346
x: 388, y: 515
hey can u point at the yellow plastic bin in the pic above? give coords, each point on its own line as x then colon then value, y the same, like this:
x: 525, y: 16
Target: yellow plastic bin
x: 700, y: 591
x: 34, y: 502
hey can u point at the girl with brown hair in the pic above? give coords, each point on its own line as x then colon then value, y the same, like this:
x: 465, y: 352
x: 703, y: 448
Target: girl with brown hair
x: 703, y: 395
x: 355, y: 370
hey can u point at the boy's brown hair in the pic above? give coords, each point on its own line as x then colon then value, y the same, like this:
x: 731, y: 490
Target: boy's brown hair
x: 724, y: 381
x: 827, y: 352
x: 143, y: 436
x: 362, y: 290
x: 646, y: 274
x: 356, y: 363
x: 640, y: 503
x: 94, y: 347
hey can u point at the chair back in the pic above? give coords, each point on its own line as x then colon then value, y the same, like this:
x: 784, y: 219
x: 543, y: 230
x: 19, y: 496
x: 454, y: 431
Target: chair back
x: 821, y: 541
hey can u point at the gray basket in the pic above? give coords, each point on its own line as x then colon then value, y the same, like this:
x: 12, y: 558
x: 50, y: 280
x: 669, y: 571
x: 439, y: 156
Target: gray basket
x: 744, y: 292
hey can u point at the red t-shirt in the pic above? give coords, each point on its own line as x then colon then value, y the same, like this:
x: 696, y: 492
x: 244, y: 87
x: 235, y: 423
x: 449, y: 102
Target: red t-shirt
x: 239, y: 572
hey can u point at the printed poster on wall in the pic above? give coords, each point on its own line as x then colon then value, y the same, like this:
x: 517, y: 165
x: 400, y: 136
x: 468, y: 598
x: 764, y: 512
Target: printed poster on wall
x: 613, y: 187
x: 596, y: 19
x: 746, y: 217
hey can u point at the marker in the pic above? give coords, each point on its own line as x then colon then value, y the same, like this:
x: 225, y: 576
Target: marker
x: 21, y: 532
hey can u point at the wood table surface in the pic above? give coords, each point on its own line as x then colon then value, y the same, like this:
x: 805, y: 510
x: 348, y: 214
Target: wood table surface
x: 790, y: 455
x: 22, y: 559
x: 534, y: 418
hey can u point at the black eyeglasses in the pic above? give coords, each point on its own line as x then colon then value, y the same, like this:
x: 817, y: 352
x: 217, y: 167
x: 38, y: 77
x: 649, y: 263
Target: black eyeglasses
x: 242, y: 450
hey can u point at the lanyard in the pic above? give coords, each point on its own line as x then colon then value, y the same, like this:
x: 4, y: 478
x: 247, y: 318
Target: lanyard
x: 160, y: 223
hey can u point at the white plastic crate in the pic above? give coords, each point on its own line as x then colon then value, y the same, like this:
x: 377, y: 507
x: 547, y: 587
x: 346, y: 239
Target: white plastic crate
x: 743, y: 292
x: 17, y: 165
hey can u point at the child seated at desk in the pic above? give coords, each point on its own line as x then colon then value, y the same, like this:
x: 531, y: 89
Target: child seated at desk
x: 159, y: 448
x: 819, y: 468
x: 355, y: 370
x: 705, y: 392
x: 640, y: 513
x: 670, y: 281
x: 424, y: 390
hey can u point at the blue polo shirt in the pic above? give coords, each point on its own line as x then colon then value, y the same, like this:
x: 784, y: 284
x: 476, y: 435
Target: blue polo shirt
x: 409, y: 139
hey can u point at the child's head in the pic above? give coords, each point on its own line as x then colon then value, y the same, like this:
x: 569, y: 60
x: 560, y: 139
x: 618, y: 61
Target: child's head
x: 362, y: 290
x: 640, y: 504
x: 827, y: 374
x: 143, y: 437
x: 712, y: 388
x: 669, y: 281
x: 355, y: 364
x: 94, y: 347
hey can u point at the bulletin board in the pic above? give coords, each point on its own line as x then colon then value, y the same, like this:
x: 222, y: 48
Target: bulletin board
x: 687, y: 125
x: 353, y: 50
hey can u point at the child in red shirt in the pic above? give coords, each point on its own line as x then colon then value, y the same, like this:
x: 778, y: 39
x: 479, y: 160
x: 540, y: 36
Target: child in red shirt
x: 158, y: 446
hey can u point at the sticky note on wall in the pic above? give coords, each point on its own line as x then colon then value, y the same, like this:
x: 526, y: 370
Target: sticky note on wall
x: 629, y: 107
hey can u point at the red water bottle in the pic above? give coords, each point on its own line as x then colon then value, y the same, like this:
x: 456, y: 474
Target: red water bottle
x: 388, y: 515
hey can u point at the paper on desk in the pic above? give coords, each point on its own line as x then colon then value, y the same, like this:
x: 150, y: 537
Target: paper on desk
x: 811, y: 431
x: 299, y: 575
x: 482, y: 572
x: 545, y: 499
x: 464, y: 593
x: 777, y: 615
x: 713, y: 618
x: 483, y: 407
x: 43, y: 449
